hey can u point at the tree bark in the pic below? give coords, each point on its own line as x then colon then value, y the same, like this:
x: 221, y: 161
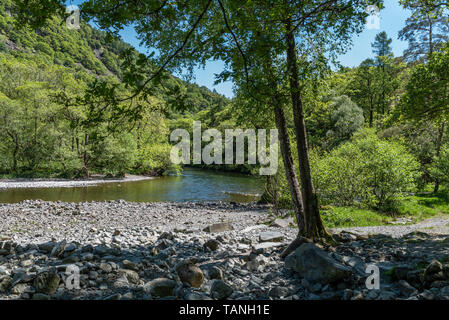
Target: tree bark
x: 290, y: 170
x: 314, y: 227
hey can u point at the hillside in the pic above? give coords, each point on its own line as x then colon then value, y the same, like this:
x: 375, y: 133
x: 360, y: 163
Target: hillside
x: 45, y: 137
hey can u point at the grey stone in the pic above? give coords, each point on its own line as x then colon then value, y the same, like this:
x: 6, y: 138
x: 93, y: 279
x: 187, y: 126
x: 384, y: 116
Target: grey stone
x: 47, y: 282
x: 219, y: 227
x: 160, y: 287
x: 220, y: 290
x: 190, y: 273
x: 315, y: 265
x: 271, y: 236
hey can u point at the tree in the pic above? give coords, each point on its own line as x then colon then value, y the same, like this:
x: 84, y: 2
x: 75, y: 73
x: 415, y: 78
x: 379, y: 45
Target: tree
x: 425, y: 30
x: 365, y: 89
x: 427, y: 97
x: 230, y: 30
x: 382, y: 45
x: 347, y: 118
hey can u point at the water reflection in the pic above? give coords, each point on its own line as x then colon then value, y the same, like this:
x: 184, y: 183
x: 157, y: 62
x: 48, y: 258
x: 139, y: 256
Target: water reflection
x: 193, y: 185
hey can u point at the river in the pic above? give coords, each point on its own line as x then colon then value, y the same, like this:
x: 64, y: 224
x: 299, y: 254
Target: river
x: 191, y: 185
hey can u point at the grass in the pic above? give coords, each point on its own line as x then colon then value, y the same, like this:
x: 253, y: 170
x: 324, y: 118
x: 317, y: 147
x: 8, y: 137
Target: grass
x: 339, y: 217
x: 416, y: 208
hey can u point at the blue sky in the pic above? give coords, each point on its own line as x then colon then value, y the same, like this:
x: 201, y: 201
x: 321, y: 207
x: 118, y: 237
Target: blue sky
x: 392, y: 17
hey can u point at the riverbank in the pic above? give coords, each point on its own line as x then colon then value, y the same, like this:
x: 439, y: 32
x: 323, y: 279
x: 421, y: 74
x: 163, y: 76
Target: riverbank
x: 21, y: 183
x: 207, y: 250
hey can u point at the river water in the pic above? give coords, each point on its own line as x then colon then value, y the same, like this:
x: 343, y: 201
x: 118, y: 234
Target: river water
x: 192, y: 185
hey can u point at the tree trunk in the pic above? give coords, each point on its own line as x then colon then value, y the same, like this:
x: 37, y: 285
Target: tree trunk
x: 314, y: 227
x: 290, y: 170
x: 437, y: 153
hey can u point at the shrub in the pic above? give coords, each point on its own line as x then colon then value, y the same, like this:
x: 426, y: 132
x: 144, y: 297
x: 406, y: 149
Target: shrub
x: 368, y: 170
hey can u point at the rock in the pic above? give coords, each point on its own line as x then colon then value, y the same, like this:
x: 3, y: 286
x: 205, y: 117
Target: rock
x: 271, y: 236
x: 27, y: 263
x: 280, y: 223
x: 192, y: 296
x: 400, y: 272
x: 190, y: 273
x: 315, y: 265
x: 278, y: 292
x: 434, y: 267
x: 115, y: 296
x: 329, y: 295
x: 58, y: 249
x: 21, y: 288
x: 41, y: 296
x: 47, y: 282
x: 433, y: 272
x: 265, y: 246
x: 387, y: 295
x: 220, y: 290
x: 5, y: 281
x: 415, y: 278
x: 106, y: 267
x: 215, y: 273
x: 130, y: 265
x: 46, y: 247
x: 406, y: 289
x: 256, y: 263
x: 212, y: 244
x: 160, y: 287
x: 219, y: 227
x: 131, y: 275
x: 290, y: 262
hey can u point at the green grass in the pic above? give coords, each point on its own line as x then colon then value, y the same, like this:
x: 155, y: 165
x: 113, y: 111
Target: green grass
x: 416, y: 208
x: 339, y: 217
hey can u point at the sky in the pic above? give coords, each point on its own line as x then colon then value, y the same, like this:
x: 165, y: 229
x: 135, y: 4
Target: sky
x: 392, y: 20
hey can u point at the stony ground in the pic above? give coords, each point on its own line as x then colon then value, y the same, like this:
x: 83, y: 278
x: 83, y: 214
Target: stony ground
x: 199, y: 251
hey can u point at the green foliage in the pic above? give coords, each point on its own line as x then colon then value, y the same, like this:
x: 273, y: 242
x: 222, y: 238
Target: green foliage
x: 367, y: 170
x: 51, y: 128
x: 346, y: 119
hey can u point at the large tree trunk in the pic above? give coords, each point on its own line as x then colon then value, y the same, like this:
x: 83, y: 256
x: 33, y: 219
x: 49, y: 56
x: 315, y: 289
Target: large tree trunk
x: 437, y: 153
x: 314, y: 227
x: 289, y: 165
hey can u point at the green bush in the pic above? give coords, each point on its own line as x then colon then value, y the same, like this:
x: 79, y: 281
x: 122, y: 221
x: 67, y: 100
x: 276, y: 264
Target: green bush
x: 441, y: 167
x: 366, y: 170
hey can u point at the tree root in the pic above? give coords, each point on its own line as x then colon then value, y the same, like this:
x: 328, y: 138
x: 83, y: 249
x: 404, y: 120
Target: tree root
x: 294, y: 245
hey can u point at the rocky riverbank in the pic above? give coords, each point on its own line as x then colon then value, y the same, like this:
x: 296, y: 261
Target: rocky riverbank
x: 200, y: 251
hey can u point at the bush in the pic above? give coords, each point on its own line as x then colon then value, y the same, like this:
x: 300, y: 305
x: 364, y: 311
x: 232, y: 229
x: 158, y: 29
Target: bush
x: 366, y: 170
x: 441, y: 168
x: 347, y: 118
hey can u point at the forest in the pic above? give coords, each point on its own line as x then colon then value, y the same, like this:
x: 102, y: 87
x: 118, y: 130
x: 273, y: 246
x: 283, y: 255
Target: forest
x: 376, y: 133
x: 357, y: 210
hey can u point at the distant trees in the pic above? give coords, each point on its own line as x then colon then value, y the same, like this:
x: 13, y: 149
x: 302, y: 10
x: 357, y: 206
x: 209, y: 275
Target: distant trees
x: 346, y: 119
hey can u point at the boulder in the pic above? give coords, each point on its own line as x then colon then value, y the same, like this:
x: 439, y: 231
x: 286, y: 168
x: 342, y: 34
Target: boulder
x: 212, y: 244
x: 271, y: 236
x: 160, y: 287
x: 4, y: 283
x: 219, y: 227
x: 281, y: 223
x: 47, y: 282
x: 220, y: 290
x: 190, y: 273
x: 315, y: 265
